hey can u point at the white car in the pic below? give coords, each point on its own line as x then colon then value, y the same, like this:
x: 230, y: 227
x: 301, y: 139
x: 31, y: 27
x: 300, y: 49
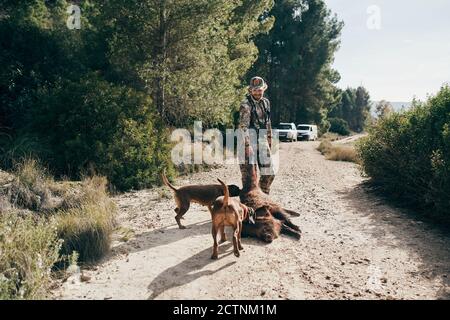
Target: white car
x: 307, y: 132
x: 287, y: 131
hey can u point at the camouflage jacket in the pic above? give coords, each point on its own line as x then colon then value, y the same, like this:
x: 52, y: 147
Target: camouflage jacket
x: 255, y: 115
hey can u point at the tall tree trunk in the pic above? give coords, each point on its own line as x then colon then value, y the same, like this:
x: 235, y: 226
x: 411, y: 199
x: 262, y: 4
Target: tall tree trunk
x: 161, y: 55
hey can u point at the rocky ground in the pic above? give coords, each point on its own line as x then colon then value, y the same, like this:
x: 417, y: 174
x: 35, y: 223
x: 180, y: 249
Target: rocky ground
x: 355, y: 246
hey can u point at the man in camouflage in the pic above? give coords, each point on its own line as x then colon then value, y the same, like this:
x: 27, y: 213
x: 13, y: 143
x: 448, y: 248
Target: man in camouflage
x: 255, y: 120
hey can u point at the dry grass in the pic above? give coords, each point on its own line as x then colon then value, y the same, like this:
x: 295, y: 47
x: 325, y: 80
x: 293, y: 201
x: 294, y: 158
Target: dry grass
x: 29, y: 187
x: 87, y: 221
x: 338, y: 152
x: 325, y: 147
x: 37, y: 212
x: 125, y: 234
x: 331, y: 136
x: 29, y: 248
x: 343, y: 153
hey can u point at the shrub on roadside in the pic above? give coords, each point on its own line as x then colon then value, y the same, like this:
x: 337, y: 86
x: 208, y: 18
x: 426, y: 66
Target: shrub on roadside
x: 325, y: 147
x: 81, y: 215
x: 93, y: 126
x: 343, y: 153
x: 29, y: 247
x: 30, y: 187
x: 338, y: 152
x: 87, y: 222
x: 339, y: 126
x: 408, y: 154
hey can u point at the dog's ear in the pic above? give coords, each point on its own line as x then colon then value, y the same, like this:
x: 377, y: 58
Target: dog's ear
x: 234, y: 190
x: 264, y: 210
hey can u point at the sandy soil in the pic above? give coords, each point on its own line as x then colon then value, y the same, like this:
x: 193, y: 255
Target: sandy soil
x: 355, y: 246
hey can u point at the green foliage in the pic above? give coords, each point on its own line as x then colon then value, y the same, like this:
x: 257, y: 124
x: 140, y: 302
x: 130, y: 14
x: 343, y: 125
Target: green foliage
x: 339, y: 126
x: 353, y: 107
x: 190, y: 56
x: 29, y: 248
x: 296, y: 58
x: 98, y: 99
x: 113, y: 132
x: 383, y: 109
x: 408, y: 154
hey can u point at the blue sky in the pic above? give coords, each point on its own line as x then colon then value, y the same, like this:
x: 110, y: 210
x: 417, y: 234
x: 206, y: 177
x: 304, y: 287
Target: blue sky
x: 409, y: 55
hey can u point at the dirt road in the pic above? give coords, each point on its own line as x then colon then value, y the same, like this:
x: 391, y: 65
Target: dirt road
x: 354, y: 245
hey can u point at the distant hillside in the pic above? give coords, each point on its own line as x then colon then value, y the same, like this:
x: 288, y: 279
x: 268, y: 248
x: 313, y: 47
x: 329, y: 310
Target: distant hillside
x: 398, y: 106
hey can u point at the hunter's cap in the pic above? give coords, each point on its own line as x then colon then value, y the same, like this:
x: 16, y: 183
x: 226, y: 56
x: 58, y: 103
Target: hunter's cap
x: 257, y: 83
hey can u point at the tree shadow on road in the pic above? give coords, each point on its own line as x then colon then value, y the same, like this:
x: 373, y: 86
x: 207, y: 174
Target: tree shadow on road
x: 180, y: 274
x: 420, y: 235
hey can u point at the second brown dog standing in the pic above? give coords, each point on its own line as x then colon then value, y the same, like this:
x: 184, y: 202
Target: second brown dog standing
x: 226, y: 211
x: 201, y: 194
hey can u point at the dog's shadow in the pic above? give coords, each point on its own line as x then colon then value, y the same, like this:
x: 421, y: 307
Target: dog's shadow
x: 169, y: 234
x: 181, y: 273
x: 163, y: 236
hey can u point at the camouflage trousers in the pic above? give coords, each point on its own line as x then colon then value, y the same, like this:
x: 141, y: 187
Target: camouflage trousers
x: 261, y: 160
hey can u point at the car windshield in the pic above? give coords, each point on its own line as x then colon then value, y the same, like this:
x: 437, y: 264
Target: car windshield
x: 284, y: 127
x: 303, y: 128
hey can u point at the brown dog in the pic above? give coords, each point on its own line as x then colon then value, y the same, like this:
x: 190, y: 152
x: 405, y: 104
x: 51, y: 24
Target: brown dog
x: 227, y: 212
x: 201, y: 194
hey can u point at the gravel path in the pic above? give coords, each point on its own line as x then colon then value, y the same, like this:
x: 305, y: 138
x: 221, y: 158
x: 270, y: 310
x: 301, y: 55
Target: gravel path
x: 354, y: 245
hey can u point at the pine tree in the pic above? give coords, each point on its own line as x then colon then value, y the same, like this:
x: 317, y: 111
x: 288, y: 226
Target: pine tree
x: 190, y: 56
x: 296, y: 57
x: 362, y: 108
x: 353, y: 107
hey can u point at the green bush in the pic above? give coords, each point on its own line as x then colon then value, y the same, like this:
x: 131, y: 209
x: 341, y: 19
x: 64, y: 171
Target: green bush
x: 75, y: 120
x: 408, y: 154
x: 29, y: 248
x: 94, y: 126
x: 339, y: 126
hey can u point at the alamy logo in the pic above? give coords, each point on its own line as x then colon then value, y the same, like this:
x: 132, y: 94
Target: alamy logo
x: 374, y: 280
x: 374, y: 20
x: 208, y: 148
x: 74, y: 20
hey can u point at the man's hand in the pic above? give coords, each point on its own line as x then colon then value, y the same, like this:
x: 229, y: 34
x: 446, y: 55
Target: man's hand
x: 248, y: 152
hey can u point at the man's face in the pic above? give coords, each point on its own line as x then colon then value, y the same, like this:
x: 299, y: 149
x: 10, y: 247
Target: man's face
x: 257, y: 93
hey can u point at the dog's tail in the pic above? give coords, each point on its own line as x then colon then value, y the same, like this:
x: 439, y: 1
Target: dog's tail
x: 167, y: 183
x: 226, y: 193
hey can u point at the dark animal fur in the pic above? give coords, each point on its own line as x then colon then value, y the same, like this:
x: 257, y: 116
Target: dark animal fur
x: 272, y: 219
